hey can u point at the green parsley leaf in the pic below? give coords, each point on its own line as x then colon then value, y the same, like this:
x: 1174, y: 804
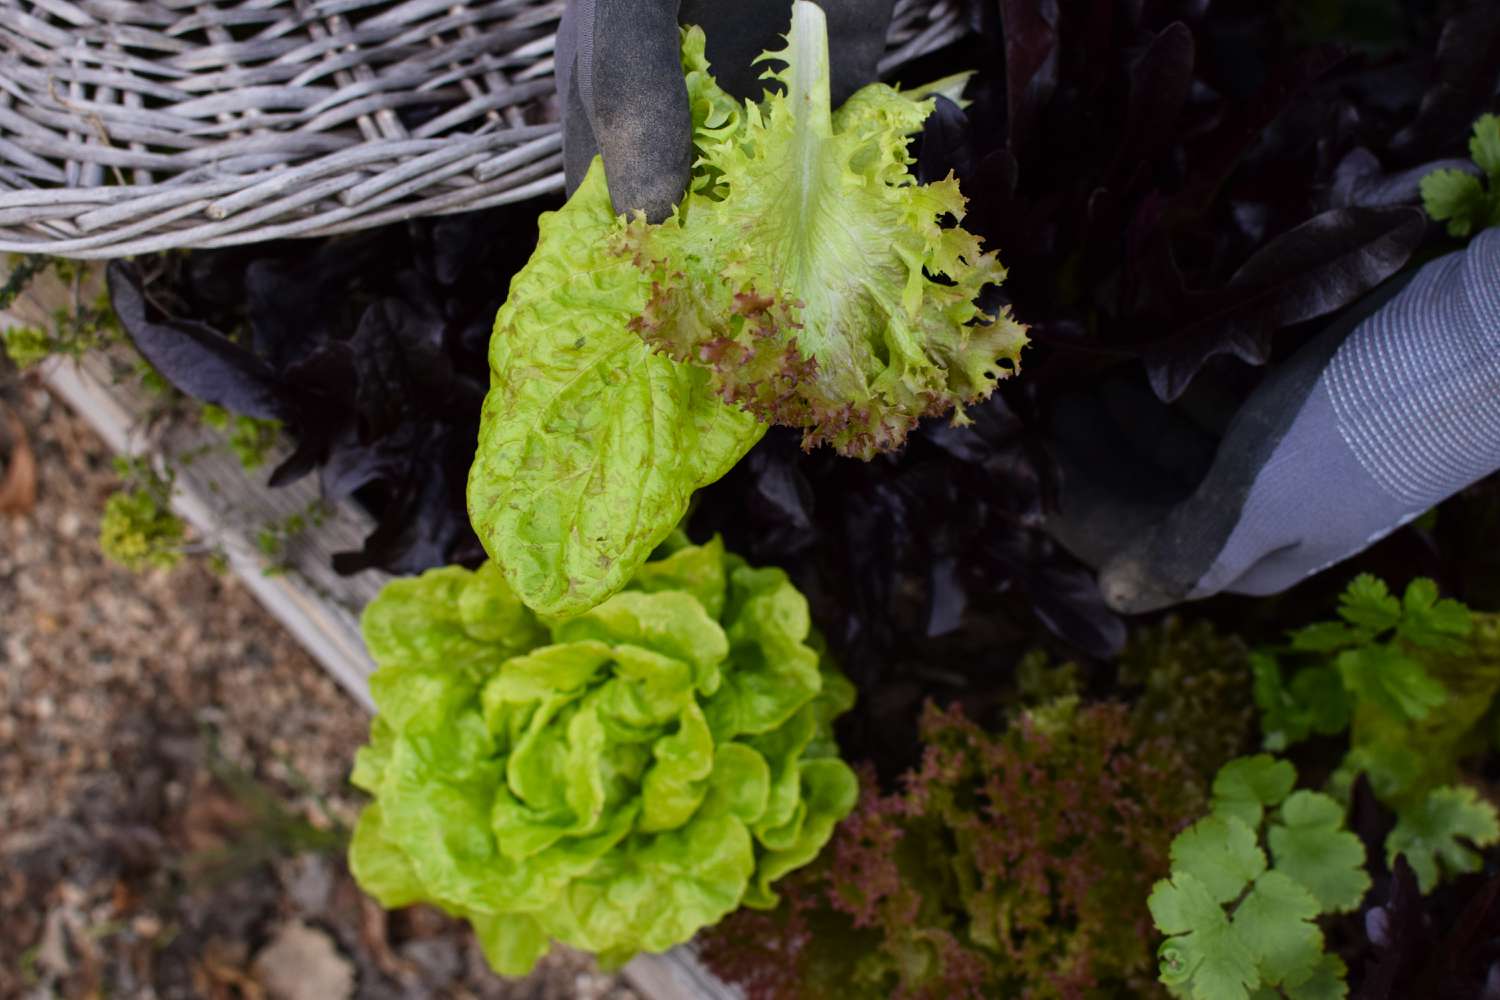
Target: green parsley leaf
x: 1390, y: 679
x: 1247, y: 784
x: 1367, y: 604
x: 1456, y: 198
x: 1314, y: 702
x: 1222, y: 853
x: 1392, y: 767
x: 1204, y: 949
x: 1428, y: 833
x: 1275, y: 921
x: 1237, y: 929
x: 1324, y: 637
x: 1310, y: 845
x: 1326, y: 983
x: 1484, y: 146
x: 1429, y: 623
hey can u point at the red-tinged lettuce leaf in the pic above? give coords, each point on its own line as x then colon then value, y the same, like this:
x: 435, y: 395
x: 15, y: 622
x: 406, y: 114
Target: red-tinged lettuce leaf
x: 808, y: 274
x: 947, y: 144
x: 197, y: 359
x: 933, y: 555
x: 1359, y: 181
x: 1160, y: 82
x: 1444, y: 945
x: 1175, y: 145
x: 1219, y: 152
x: 1066, y: 599
x: 1467, y: 65
x: 1029, y: 28
x: 1315, y: 269
x: 374, y: 344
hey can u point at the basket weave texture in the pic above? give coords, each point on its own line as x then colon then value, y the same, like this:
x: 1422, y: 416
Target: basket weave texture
x: 134, y: 126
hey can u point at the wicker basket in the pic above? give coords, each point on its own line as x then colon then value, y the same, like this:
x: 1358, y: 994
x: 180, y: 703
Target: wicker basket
x: 131, y: 126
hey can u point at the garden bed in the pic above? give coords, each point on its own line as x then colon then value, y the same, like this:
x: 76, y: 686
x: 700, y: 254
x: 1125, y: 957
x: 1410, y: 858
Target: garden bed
x: 627, y: 647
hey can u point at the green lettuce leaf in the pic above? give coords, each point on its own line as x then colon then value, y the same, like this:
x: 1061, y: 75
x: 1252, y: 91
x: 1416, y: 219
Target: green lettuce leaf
x: 590, y: 444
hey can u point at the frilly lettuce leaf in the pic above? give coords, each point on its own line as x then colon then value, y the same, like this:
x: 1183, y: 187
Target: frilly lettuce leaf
x: 809, y: 272
x: 615, y: 780
x: 805, y: 279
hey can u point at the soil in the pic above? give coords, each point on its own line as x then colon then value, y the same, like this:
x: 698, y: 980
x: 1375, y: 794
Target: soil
x: 173, y: 776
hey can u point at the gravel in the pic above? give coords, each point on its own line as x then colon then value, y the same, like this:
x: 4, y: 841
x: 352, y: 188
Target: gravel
x: 173, y: 780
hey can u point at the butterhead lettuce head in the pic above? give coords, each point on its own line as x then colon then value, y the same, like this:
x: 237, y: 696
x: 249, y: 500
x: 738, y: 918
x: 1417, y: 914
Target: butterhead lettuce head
x: 805, y: 279
x: 614, y: 781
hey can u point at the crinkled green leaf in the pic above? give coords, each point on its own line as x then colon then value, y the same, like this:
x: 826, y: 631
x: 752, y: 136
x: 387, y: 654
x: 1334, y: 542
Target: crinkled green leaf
x: 828, y: 793
x: 492, y: 613
x: 1428, y: 833
x: 370, y: 760
x: 681, y: 762
x: 1275, y: 923
x: 1430, y: 623
x: 381, y: 867
x: 741, y: 783
x: 768, y: 624
x: 784, y: 748
x: 672, y: 622
x: 1222, y: 853
x: 1309, y: 844
x: 421, y: 620
x: 1245, y: 786
x: 1204, y: 955
x: 590, y: 444
x: 698, y: 570
x: 1390, y: 679
x: 512, y: 943
x: 567, y: 783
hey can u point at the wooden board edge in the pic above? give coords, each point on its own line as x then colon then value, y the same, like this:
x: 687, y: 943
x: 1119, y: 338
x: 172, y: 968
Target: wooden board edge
x: 296, y: 606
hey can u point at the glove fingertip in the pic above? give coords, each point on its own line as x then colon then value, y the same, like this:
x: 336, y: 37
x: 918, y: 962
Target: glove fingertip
x: 1130, y: 588
x: 654, y: 191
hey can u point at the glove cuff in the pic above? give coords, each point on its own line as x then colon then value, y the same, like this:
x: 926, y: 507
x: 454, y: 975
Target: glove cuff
x: 1416, y: 390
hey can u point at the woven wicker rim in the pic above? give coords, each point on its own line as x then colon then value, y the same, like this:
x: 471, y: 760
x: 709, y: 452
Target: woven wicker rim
x: 135, y: 126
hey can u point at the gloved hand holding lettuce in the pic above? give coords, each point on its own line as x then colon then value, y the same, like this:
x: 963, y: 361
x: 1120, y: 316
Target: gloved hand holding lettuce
x: 615, y: 780
x: 805, y: 279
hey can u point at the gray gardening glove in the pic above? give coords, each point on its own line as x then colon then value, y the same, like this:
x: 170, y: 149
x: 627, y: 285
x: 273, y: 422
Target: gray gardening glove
x: 619, y: 78
x: 1361, y: 431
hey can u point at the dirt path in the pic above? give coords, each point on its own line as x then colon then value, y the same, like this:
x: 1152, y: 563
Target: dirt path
x: 172, y: 779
